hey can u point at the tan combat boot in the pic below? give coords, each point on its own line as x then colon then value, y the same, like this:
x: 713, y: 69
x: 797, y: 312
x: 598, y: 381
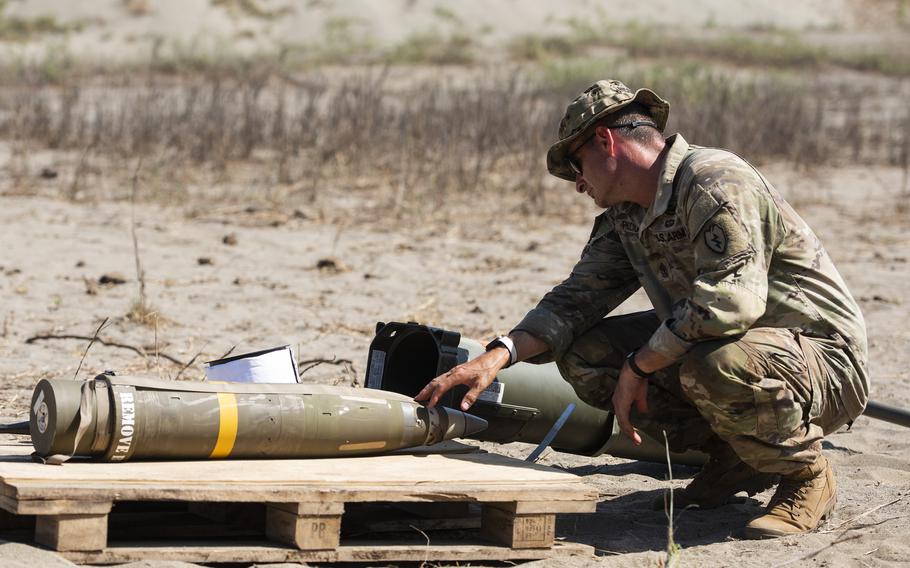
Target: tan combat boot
x: 722, y: 477
x: 802, y: 500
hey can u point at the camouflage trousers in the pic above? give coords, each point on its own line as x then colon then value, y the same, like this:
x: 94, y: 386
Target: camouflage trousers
x: 771, y: 394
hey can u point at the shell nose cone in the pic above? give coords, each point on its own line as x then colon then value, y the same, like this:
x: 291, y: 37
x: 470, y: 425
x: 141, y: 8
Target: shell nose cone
x: 458, y: 424
x: 473, y: 425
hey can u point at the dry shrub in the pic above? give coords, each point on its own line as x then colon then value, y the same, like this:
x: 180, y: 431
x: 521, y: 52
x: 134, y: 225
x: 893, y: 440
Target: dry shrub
x: 435, y: 139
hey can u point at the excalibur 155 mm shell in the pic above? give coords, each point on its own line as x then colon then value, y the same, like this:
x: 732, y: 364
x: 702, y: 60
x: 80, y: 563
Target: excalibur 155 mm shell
x: 121, y: 418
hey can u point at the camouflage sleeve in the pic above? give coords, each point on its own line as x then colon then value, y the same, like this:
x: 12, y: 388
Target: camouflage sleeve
x: 732, y: 231
x: 599, y: 282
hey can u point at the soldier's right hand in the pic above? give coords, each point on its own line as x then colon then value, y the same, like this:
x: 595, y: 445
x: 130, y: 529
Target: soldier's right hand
x: 477, y: 374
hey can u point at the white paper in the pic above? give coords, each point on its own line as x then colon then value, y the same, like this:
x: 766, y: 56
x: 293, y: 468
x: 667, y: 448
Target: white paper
x: 276, y: 366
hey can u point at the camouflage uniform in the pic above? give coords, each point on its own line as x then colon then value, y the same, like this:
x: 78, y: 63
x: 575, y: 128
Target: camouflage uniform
x: 769, y: 346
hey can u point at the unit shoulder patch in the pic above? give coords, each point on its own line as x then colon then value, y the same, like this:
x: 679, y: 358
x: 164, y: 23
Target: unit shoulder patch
x: 716, y: 238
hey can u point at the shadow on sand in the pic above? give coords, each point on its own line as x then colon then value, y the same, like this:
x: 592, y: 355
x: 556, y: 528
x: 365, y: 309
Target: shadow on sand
x: 630, y: 523
x: 652, y: 470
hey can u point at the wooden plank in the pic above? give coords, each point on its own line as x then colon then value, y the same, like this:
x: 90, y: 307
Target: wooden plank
x: 527, y: 507
x: 365, y: 551
x: 317, y: 508
x: 375, y: 471
x: 305, y: 532
x: 9, y: 504
x: 343, y: 492
x: 6, y: 490
x: 71, y: 532
x: 304, y: 502
x: 518, y: 531
x: 53, y: 506
x: 398, y: 478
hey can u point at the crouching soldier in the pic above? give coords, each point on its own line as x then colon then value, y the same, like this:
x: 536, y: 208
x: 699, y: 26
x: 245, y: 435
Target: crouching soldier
x: 755, y: 349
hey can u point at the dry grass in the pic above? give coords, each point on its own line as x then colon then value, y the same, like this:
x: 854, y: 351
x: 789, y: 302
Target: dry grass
x: 13, y: 28
x: 771, y: 49
x: 674, y: 550
x: 252, y: 8
x: 143, y: 313
x: 756, y: 48
x: 416, y: 145
x: 433, y: 48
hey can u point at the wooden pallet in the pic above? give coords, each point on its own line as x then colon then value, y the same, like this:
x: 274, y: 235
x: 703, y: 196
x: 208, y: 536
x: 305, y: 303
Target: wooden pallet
x: 500, y: 508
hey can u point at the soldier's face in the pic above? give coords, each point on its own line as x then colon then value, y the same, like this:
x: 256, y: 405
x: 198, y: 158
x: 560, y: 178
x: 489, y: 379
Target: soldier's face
x: 595, y: 171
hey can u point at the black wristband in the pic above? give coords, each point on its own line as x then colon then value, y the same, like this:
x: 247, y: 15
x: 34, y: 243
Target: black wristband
x: 635, y: 368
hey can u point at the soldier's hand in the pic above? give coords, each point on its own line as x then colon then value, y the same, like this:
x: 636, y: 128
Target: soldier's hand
x: 630, y: 389
x: 477, y: 374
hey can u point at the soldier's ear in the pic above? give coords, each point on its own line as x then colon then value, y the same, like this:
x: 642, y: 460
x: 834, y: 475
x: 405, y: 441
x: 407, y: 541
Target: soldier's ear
x: 606, y: 140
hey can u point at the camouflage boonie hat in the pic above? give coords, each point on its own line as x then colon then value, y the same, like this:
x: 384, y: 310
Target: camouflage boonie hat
x: 598, y: 100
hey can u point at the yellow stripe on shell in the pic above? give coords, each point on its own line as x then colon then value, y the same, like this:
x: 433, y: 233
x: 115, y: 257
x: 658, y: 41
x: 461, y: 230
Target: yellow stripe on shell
x: 227, y: 425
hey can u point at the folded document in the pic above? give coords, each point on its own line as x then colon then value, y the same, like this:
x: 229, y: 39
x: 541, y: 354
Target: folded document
x: 275, y: 365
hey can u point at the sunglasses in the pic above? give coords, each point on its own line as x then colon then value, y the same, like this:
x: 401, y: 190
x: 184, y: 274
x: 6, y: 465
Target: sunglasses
x: 575, y: 163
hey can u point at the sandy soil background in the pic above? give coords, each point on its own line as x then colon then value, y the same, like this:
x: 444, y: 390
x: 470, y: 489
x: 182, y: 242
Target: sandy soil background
x: 125, y: 29
x: 267, y: 289
x: 225, y: 275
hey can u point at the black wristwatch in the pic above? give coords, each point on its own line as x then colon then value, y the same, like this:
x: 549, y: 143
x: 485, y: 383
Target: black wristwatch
x: 635, y: 368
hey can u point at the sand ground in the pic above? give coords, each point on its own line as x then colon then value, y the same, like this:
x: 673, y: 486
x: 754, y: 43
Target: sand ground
x: 267, y: 288
x: 240, y: 276
x: 128, y: 29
